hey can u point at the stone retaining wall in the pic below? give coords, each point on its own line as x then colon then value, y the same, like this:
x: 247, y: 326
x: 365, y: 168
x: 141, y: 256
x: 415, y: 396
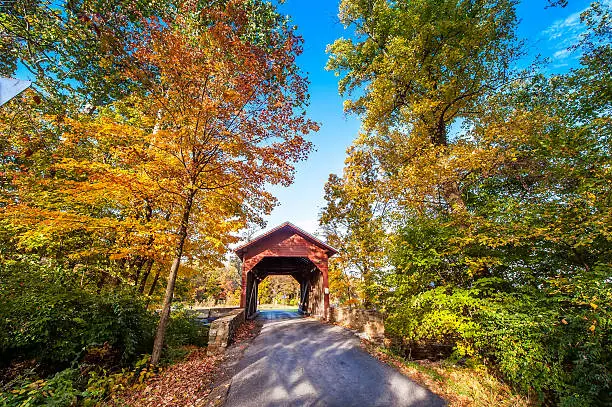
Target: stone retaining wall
x: 204, y: 313
x: 370, y: 322
x: 222, y: 331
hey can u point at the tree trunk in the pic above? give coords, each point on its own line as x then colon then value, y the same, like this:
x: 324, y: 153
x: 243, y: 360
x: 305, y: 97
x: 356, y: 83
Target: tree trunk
x: 140, y: 261
x: 367, y: 279
x: 117, y: 279
x: 157, y: 274
x: 449, y: 190
x: 101, y: 282
x: 145, y: 277
x: 158, y: 344
x: 154, y: 283
x: 348, y: 290
x: 452, y: 196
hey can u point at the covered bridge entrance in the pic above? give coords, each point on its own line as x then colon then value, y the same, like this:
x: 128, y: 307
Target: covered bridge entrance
x: 287, y: 250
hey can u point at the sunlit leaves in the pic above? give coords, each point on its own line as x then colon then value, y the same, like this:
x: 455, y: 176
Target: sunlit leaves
x: 495, y: 187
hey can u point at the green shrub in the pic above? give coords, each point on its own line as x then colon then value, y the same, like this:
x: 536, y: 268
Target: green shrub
x: 84, y: 345
x: 552, y: 344
x: 184, y: 329
x: 435, y: 317
x: 56, y: 323
x: 59, y: 391
x: 539, y: 321
x: 58, y: 327
x: 73, y: 386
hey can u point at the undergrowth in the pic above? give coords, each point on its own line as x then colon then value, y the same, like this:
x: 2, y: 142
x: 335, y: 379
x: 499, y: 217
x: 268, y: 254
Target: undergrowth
x: 461, y: 386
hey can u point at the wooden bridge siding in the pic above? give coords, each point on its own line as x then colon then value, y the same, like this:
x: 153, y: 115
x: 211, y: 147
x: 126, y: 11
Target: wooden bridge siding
x: 251, y: 288
x: 288, y: 244
x: 316, y: 296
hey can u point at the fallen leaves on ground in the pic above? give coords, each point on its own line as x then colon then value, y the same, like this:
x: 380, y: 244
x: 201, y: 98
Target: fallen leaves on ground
x: 186, y: 383
x: 459, y: 386
x: 245, y: 331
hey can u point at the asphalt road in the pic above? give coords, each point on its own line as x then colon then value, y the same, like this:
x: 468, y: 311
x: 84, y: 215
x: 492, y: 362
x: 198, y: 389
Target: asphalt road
x: 277, y: 314
x: 302, y: 362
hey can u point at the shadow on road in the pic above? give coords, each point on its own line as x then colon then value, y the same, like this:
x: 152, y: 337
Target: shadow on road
x: 302, y: 362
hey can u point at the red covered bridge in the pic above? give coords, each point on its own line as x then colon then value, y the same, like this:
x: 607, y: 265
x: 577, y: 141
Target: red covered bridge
x: 287, y: 250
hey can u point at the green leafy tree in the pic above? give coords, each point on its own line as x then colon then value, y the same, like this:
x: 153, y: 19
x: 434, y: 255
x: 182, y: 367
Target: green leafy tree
x: 423, y: 66
x: 277, y: 290
x: 77, y: 51
x: 499, y: 230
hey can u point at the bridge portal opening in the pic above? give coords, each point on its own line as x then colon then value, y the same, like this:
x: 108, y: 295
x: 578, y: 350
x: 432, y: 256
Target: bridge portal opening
x: 279, y: 292
x: 304, y: 271
x: 287, y: 250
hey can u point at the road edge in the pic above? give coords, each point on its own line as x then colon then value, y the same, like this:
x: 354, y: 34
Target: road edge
x: 227, y: 367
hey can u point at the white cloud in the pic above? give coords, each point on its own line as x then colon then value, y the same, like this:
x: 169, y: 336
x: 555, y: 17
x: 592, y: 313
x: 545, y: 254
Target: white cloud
x: 563, y: 34
x: 562, y: 54
x: 559, y: 66
x: 566, y: 32
x: 570, y: 27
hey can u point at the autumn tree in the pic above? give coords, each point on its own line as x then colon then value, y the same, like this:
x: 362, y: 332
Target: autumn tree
x: 218, y: 285
x: 422, y: 67
x: 77, y: 53
x: 162, y: 175
x: 417, y: 70
x: 89, y: 207
x: 74, y: 50
x: 353, y: 221
x: 511, y: 266
x: 228, y: 116
x: 283, y: 290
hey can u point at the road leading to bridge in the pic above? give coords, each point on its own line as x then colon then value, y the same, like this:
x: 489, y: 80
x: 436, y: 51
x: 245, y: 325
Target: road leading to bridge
x: 277, y: 314
x: 302, y: 362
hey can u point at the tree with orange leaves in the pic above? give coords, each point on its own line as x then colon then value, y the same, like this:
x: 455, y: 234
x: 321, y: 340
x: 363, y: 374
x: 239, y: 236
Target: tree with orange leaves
x: 169, y: 173
x: 228, y: 112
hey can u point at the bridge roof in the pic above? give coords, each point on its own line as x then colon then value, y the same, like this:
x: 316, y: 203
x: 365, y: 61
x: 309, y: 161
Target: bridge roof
x: 287, y: 226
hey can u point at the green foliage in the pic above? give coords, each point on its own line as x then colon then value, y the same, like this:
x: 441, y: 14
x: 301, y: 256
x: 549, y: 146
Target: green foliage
x: 47, y: 316
x: 80, y: 386
x: 501, y: 232
x: 550, y: 342
x: 75, y: 49
x: 217, y: 285
x: 184, y: 329
x: 279, y: 290
x: 554, y: 339
x: 98, y: 339
x: 57, y: 321
x: 421, y: 61
x: 58, y: 391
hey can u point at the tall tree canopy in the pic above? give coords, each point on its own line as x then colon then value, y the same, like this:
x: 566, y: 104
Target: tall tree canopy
x: 489, y: 186
x: 421, y: 62
x: 198, y: 107
x: 423, y: 66
x: 76, y: 50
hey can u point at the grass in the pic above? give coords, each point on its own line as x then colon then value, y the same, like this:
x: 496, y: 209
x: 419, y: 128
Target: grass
x: 460, y: 386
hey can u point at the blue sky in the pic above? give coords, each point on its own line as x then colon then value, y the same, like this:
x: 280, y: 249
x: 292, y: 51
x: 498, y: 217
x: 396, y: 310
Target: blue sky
x: 548, y: 33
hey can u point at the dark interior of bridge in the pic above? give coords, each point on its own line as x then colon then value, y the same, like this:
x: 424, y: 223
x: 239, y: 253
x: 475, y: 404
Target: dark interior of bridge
x: 301, y: 269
